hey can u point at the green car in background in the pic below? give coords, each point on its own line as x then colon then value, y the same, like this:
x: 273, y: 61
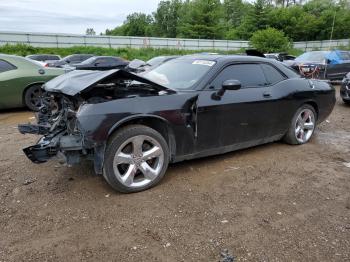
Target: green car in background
x: 21, y: 80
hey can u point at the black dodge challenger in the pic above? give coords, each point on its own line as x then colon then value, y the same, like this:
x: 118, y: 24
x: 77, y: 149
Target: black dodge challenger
x: 132, y: 126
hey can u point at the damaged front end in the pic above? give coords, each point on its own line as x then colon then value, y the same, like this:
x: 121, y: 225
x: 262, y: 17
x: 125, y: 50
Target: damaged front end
x: 57, y: 123
x: 68, y: 129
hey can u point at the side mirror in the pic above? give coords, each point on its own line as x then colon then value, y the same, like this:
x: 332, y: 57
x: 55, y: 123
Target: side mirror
x: 328, y: 61
x: 227, y: 85
x: 97, y: 63
x: 231, y: 85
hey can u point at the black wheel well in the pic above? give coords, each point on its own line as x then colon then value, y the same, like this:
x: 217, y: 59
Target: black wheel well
x: 157, y: 124
x: 314, y: 105
x: 27, y: 87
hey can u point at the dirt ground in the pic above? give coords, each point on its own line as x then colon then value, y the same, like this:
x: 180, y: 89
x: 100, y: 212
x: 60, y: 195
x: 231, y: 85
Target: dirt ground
x: 270, y: 203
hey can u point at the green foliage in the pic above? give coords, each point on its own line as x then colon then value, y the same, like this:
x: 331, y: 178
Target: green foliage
x: 136, y: 24
x: 270, y: 40
x: 90, y: 31
x: 201, y: 19
x: 300, y: 20
x: 167, y: 17
x: 127, y: 53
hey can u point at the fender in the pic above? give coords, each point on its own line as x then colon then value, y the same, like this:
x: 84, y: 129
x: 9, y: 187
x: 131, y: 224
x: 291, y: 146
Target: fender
x: 171, y: 136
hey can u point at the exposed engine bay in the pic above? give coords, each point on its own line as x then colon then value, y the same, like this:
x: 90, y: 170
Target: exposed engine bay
x: 57, y: 118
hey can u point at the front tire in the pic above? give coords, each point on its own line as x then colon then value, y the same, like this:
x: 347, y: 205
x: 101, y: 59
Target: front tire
x: 136, y: 159
x: 302, y: 126
x: 33, y: 96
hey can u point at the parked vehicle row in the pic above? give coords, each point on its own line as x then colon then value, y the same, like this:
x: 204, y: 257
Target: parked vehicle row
x: 21, y: 80
x: 331, y: 65
x: 70, y: 60
x: 28, y: 93
x: 133, y: 125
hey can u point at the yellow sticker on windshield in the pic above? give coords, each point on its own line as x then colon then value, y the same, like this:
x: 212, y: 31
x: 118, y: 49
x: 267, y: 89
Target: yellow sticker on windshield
x: 203, y: 62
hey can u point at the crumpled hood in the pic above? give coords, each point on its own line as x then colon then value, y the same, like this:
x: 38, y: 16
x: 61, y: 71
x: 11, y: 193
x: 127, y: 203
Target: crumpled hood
x: 78, y: 81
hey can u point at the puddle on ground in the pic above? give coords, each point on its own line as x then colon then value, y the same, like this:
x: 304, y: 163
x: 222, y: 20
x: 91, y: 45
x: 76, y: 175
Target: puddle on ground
x: 339, y: 140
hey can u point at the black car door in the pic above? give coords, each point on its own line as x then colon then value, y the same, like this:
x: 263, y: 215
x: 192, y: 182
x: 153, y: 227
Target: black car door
x: 246, y: 115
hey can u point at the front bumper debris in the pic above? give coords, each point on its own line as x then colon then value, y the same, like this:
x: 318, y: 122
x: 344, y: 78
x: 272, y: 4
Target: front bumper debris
x: 69, y: 146
x: 42, y: 151
x: 33, y: 129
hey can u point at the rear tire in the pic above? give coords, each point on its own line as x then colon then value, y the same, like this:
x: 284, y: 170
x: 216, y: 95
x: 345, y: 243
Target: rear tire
x: 33, y: 96
x: 346, y: 101
x: 136, y: 159
x: 302, y: 126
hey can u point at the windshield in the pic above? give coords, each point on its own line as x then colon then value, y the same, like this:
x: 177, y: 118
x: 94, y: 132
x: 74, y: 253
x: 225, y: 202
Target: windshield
x: 179, y: 73
x: 317, y: 56
x: 88, y: 61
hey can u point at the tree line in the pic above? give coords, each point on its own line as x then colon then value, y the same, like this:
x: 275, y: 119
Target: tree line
x: 298, y: 20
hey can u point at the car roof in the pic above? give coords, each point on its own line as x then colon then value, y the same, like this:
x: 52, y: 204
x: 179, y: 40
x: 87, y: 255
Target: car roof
x: 42, y: 55
x: 226, y: 58
x: 19, y: 60
x: 13, y: 57
x: 106, y: 56
x: 80, y: 54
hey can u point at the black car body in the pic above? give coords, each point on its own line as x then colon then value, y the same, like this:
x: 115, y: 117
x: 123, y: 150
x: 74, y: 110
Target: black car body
x: 345, y: 89
x: 102, y: 63
x: 331, y: 65
x: 70, y: 60
x: 195, y: 103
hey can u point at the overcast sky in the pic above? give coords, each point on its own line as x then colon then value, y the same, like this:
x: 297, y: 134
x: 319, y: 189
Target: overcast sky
x: 68, y: 16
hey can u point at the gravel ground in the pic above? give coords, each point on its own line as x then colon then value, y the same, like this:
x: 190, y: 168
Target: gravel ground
x: 270, y: 203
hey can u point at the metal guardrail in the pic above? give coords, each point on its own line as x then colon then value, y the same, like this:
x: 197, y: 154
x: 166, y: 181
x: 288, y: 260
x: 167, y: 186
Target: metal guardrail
x: 69, y: 40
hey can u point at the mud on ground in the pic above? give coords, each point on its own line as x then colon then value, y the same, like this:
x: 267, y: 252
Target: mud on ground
x: 270, y: 203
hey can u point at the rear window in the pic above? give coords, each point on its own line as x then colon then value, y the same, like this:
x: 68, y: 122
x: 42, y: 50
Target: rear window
x: 52, y: 57
x: 273, y: 76
x: 6, y: 66
x: 43, y: 57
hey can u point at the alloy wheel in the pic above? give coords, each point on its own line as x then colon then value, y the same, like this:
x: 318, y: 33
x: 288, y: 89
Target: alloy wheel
x: 305, y: 125
x: 36, y: 97
x: 138, y: 161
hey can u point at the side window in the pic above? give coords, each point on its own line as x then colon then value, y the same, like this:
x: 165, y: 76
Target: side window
x: 75, y: 59
x: 273, y: 76
x: 5, y: 66
x: 250, y: 75
x: 101, y: 61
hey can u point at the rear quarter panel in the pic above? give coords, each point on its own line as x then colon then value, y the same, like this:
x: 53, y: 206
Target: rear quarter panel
x: 13, y: 84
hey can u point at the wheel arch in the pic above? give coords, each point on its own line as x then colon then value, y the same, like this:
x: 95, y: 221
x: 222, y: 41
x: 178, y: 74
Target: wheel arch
x: 27, y: 87
x: 155, y: 122
x: 314, y: 105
